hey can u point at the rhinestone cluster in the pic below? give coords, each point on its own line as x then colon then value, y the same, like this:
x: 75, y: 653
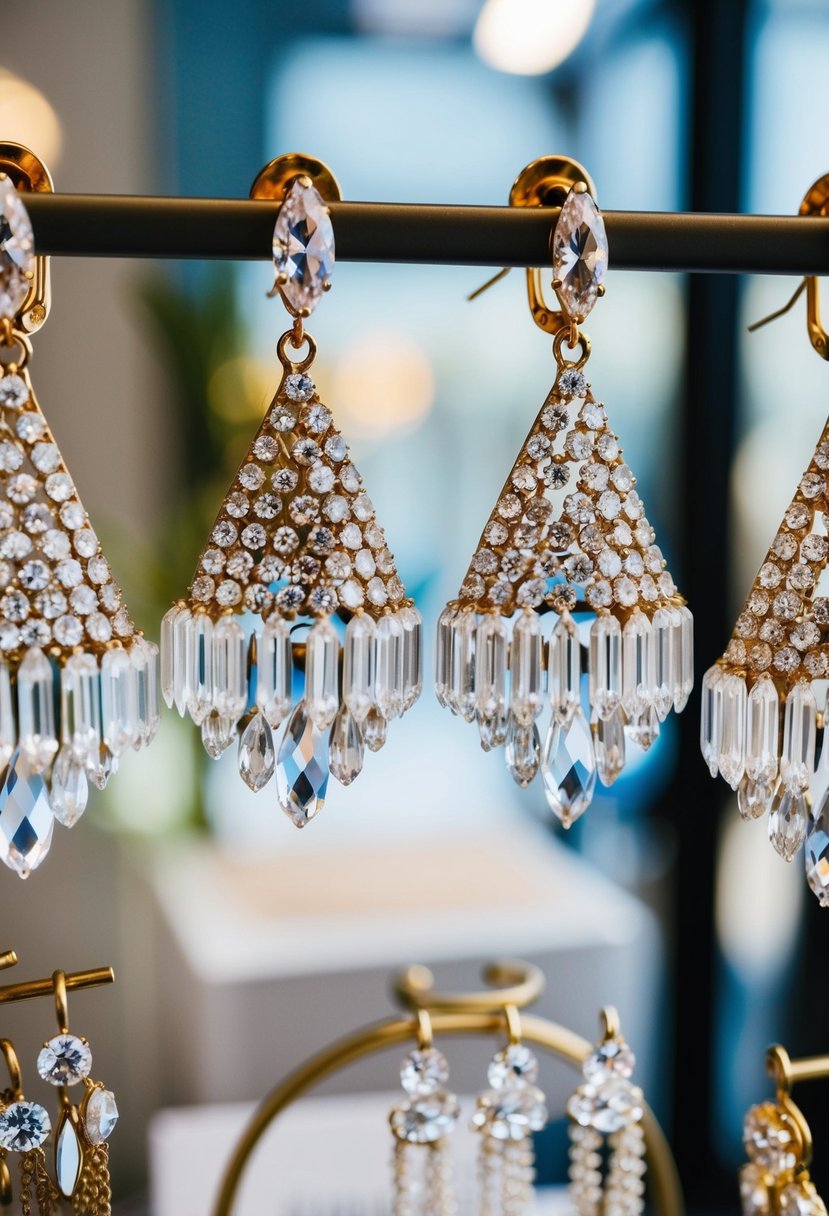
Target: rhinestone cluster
x: 774, y: 1179
x: 569, y: 523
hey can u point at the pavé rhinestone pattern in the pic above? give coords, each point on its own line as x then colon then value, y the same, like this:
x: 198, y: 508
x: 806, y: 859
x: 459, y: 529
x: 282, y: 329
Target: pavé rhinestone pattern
x: 569, y: 532
x: 762, y: 700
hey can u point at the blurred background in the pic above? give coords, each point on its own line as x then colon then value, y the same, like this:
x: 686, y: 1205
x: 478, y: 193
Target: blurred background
x: 239, y: 945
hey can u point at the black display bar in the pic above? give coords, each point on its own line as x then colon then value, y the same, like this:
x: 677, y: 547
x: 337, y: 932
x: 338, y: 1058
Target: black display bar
x: 100, y: 225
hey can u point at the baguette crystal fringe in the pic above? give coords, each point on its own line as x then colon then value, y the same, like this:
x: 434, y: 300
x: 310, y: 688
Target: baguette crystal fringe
x: 296, y: 538
x: 764, y: 701
x: 78, y: 684
x: 568, y: 533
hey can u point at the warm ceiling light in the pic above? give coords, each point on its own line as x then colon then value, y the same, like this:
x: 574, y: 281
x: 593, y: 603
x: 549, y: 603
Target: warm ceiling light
x: 528, y: 37
x: 26, y: 117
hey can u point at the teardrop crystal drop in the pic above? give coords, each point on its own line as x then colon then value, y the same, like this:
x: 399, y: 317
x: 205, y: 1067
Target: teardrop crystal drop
x: 788, y: 823
x: 522, y: 751
x: 754, y: 797
x: 346, y: 749
x: 256, y: 754
x: 493, y: 730
x: 26, y: 819
x: 218, y: 733
x: 644, y: 730
x: 100, y: 1113
x: 609, y: 743
x: 579, y: 249
x: 817, y: 853
x: 69, y: 788
x: 374, y: 730
x: 568, y: 767
x: 68, y: 1157
x: 303, y: 246
x: 100, y: 767
x: 302, y: 768
x: 17, y: 250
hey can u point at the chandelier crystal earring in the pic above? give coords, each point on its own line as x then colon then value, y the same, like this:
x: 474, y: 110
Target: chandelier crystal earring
x: 296, y: 544
x: 569, y: 536
x: 764, y: 701
x: 78, y: 682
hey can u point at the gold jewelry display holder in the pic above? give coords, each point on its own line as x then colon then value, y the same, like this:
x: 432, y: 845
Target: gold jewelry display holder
x: 511, y: 986
x: 31, y: 989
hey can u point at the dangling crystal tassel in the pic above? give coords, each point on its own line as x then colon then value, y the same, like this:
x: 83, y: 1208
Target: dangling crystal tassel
x: 506, y: 1115
x: 421, y: 1125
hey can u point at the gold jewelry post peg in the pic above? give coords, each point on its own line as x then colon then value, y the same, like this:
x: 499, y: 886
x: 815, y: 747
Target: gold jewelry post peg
x: 815, y: 203
x: 28, y: 173
x: 74, y: 981
x: 546, y: 182
x: 273, y: 182
x: 8, y: 958
x: 510, y: 983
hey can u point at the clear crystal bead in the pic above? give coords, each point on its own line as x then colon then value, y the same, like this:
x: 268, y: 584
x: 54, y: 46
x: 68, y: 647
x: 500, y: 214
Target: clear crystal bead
x: 119, y: 703
x: 303, y: 246
x: 388, y: 666
x: 425, y: 1120
x: 754, y: 797
x: 8, y: 726
x: 412, y: 623
x: 64, y: 1060
x: 100, y: 1114
x: 710, y: 718
x: 568, y: 767
x: 612, y: 1058
x: 513, y: 1065
x: 358, y: 666
x: 182, y: 650
x: 731, y: 759
x: 167, y: 656
x: 564, y: 668
x: 522, y: 751
x: 68, y: 1157
x: 510, y: 1114
x: 100, y: 768
x: 230, y: 679
x: 23, y: 1126
x: 609, y: 745
x: 526, y: 669
x: 460, y: 692
x: 256, y: 753
x: 609, y: 1107
x: 346, y: 750
x: 443, y: 655
x: 322, y: 657
x: 644, y: 730
x: 424, y: 1071
x: 665, y: 638
x: 579, y: 254
x: 17, y: 250
x: 302, y: 768
x: 36, y: 709
x: 200, y: 701
x: 797, y: 757
x: 80, y: 705
x: 218, y: 733
x: 374, y: 730
x: 491, y: 655
x: 605, y: 666
x: 762, y: 731
x: 817, y: 852
x: 274, y: 670
x: 636, y: 665
x: 788, y: 822
x: 69, y: 787
x: 26, y: 820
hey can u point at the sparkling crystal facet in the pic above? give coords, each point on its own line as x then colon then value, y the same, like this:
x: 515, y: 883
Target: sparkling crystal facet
x: 605, y: 666
x: 322, y: 654
x: 388, y: 666
x: 36, y: 709
x: 412, y: 623
x: 817, y: 852
x: 424, y: 1071
x: 491, y: 652
x: 17, y: 251
x: 568, y: 767
x: 200, y: 701
x: 347, y: 748
x: 302, y: 768
x: 665, y: 639
x: 511, y: 1113
x: 797, y: 758
x: 358, y: 665
x: 69, y: 787
x: 303, y: 246
x: 710, y: 718
x: 119, y: 701
x: 64, y: 1060
x: 609, y: 745
x: 443, y: 655
x: 522, y: 751
x: 230, y: 682
x: 100, y: 1115
x: 23, y: 1126
x: 754, y: 798
x: 274, y: 670
x: 26, y: 819
x: 526, y: 669
x: 608, y: 1107
x: 513, y: 1065
x: 788, y: 822
x: 731, y: 759
x: 636, y: 665
x: 425, y: 1120
x: 762, y: 731
x: 80, y: 714
x: 579, y: 254
x: 460, y: 693
x: 564, y: 668
x: 611, y: 1058
x: 256, y: 753
x: 167, y: 660
x: 769, y: 1138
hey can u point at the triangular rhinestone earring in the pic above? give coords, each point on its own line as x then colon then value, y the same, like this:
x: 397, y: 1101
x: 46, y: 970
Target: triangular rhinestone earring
x: 764, y: 700
x: 568, y: 535
x: 78, y: 683
x: 296, y: 544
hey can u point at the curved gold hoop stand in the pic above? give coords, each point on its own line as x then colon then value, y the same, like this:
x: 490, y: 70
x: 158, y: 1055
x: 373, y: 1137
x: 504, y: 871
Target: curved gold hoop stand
x: 480, y: 1013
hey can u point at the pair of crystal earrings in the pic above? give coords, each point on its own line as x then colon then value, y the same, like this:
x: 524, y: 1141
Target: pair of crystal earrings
x: 605, y: 1114
x: 81, y: 1155
x: 764, y: 708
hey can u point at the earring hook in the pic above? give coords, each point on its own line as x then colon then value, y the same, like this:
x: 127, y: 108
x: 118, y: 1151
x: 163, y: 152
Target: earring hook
x: 815, y: 203
x: 13, y: 1065
x: 61, y: 1001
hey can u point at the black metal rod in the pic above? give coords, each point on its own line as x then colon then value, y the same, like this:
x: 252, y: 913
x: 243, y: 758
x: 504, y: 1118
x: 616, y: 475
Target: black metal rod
x: 99, y: 225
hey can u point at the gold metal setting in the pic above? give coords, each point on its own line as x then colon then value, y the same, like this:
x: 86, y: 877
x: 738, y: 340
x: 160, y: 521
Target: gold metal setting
x: 273, y: 180
x: 28, y: 173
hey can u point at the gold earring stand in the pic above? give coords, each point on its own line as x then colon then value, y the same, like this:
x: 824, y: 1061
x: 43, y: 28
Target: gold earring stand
x: 30, y: 990
x: 480, y: 1013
